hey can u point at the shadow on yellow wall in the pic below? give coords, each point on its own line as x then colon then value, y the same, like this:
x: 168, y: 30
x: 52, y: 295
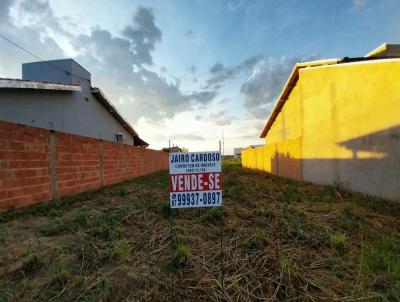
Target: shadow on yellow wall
x: 373, y: 168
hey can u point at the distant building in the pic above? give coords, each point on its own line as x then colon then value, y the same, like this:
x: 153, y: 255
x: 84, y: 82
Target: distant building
x: 237, y: 152
x: 58, y: 95
x: 337, y: 122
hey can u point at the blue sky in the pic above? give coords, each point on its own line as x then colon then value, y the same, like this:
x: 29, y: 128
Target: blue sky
x: 185, y: 70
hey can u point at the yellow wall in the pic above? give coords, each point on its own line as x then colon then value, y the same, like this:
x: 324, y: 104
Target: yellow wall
x: 342, y: 122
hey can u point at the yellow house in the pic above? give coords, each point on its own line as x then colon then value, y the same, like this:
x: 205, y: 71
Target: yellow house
x: 337, y: 122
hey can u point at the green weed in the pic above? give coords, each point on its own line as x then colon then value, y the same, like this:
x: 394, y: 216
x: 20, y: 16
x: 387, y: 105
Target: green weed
x: 286, y: 267
x: 290, y: 194
x: 384, y: 257
x: 121, y: 191
x: 81, y: 217
x: 339, y: 241
x: 212, y: 215
x: 100, y: 292
x: 53, y: 228
x: 181, y: 255
x: 256, y: 240
x: 57, y: 248
x: 3, y: 237
x: 121, y: 250
x: 59, y: 272
x: 163, y: 209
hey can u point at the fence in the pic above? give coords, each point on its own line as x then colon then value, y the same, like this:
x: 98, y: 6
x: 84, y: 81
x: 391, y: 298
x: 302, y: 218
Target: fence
x: 38, y: 164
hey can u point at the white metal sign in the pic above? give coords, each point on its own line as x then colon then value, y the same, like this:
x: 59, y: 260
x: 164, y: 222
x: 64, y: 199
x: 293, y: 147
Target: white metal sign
x: 195, y: 179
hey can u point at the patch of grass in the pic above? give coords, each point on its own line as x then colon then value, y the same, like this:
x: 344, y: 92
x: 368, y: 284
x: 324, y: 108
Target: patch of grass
x: 59, y: 272
x: 99, y: 291
x: 290, y: 194
x: 53, y: 212
x: 81, y: 217
x: 163, y: 209
x: 256, y: 240
x: 54, y: 228
x: 347, y: 219
x: 384, y: 257
x: 265, y: 210
x: 181, y: 255
x: 339, y: 242
x: 286, y: 267
x: 282, y: 241
x: 3, y: 237
x: 6, y: 294
x: 57, y: 248
x: 212, y: 215
x: 109, y: 225
x: 121, y: 250
x: 121, y: 191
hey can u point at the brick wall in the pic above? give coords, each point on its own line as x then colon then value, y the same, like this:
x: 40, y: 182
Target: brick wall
x: 38, y: 164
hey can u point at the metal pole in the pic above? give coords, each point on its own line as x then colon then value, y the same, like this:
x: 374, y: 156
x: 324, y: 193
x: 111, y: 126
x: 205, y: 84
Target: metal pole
x: 222, y: 250
x: 172, y: 253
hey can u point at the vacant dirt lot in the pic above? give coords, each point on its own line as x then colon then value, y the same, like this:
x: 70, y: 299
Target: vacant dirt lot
x: 282, y: 240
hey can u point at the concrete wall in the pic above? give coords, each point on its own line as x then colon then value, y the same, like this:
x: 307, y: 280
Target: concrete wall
x: 72, y: 112
x: 60, y: 71
x: 38, y: 164
x: 340, y: 124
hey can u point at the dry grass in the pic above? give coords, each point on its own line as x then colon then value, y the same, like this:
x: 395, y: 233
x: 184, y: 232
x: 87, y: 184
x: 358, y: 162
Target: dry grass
x: 283, y: 240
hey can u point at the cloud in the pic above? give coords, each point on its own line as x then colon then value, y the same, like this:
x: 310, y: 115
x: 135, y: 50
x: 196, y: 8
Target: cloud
x: 121, y: 64
x: 30, y: 32
x: 143, y: 35
x: 358, y: 4
x: 5, y: 10
x: 189, y: 137
x: 221, y: 74
x: 262, y: 88
x: 221, y: 118
x: 123, y: 61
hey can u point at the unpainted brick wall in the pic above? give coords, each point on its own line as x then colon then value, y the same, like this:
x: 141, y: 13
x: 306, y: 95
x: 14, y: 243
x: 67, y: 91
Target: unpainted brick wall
x: 38, y: 164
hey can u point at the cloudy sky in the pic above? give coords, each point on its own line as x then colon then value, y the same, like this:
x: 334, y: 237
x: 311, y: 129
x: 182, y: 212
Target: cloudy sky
x: 188, y: 70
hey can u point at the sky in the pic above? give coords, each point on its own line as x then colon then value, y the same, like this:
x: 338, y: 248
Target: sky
x: 192, y: 71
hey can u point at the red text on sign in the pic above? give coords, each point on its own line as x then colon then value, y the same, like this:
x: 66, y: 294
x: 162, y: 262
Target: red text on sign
x: 195, y: 182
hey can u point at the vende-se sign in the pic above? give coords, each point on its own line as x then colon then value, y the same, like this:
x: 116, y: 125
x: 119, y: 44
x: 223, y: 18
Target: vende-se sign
x: 195, y: 179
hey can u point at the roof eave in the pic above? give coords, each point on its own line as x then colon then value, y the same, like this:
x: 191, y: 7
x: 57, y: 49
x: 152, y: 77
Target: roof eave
x: 110, y: 107
x: 288, y: 87
x: 37, y: 85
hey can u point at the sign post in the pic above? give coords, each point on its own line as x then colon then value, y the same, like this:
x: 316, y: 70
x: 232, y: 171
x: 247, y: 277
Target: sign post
x: 195, y: 181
